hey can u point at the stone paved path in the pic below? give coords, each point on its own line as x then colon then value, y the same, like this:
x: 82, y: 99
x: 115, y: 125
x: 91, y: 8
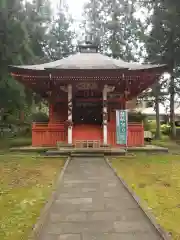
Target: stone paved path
x: 92, y: 204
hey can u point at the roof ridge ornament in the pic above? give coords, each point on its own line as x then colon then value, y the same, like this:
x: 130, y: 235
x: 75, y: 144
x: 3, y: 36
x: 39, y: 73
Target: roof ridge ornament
x: 89, y: 46
x: 89, y: 39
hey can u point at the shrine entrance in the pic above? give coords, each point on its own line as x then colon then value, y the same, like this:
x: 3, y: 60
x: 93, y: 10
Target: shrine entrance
x: 87, y: 116
x: 87, y: 113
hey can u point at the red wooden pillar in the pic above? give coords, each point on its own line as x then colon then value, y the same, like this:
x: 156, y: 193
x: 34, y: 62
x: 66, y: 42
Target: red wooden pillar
x: 123, y: 105
x: 111, y: 127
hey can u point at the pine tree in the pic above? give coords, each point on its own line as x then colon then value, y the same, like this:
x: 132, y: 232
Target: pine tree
x: 114, y: 25
x: 60, y: 36
x: 163, y: 45
x: 22, y: 34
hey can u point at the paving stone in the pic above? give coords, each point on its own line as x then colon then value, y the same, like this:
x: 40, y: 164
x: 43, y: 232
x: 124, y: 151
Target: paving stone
x: 112, y: 193
x: 47, y: 236
x: 74, y: 201
x: 78, y: 190
x: 92, y: 204
x: 81, y: 227
x: 120, y: 199
x: 68, y: 217
x: 135, y: 226
x: 80, y: 194
x: 123, y: 204
x: 88, y: 189
x: 124, y: 215
x: 70, y: 186
x: 83, y: 181
x: 118, y: 236
x: 67, y: 207
x: 70, y: 237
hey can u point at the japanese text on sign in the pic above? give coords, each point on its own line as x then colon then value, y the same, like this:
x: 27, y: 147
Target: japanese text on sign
x: 121, y: 127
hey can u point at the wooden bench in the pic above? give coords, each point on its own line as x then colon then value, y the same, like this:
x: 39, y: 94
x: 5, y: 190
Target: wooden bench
x: 87, y: 144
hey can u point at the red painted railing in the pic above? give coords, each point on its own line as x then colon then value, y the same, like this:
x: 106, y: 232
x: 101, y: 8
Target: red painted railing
x: 48, y: 134
x: 87, y: 132
x: 135, y: 135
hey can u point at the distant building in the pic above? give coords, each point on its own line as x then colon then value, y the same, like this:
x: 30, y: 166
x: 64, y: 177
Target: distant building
x: 147, y: 108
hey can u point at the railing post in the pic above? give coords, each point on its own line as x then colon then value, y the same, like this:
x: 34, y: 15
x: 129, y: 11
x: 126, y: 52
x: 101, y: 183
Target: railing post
x: 69, y: 114
x: 105, y: 115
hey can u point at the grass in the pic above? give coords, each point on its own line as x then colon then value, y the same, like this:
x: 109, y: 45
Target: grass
x: 6, y: 143
x: 172, y: 145
x: 156, y: 180
x: 26, y: 182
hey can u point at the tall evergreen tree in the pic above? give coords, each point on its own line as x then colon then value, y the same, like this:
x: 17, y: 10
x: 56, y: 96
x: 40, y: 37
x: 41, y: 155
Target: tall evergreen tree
x: 60, y: 36
x: 22, y: 33
x: 114, y: 25
x: 163, y: 45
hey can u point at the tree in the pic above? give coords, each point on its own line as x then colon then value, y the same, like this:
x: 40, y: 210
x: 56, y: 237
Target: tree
x: 163, y: 45
x: 22, y: 34
x: 11, y: 42
x: 37, y: 18
x: 60, y: 36
x: 113, y: 24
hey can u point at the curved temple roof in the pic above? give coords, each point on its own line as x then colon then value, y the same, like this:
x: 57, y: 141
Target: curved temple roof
x: 87, y: 61
x: 125, y: 76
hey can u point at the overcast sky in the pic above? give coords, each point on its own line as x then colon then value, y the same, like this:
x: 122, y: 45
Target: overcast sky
x: 75, y: 7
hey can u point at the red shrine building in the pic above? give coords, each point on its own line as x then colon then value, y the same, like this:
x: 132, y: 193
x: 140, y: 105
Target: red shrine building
x: 84, y: 91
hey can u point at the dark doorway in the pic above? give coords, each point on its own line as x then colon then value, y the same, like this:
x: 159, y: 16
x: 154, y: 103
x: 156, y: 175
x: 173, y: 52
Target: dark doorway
x: 87, y: 113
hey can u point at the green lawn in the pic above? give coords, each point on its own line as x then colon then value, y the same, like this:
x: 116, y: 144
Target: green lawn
x: 26, y: 182
x: 6, y: 143
x: 172, y: 145
x: 155, y: 179
x: 167, y: 143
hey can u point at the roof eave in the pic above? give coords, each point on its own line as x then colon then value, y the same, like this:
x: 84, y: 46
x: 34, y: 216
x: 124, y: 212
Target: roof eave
x: 83, y: 69
x: 162, y: 67
x: 13, y: 68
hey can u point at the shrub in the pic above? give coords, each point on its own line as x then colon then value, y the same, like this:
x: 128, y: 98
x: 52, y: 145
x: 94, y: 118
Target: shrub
x: 152, y: 125
x: 25, y: 131
x: 20, y: 142
x: 6, y: 143
x: 165, y: 129
x: 177, y: 123
x: 136, y: 117
x: 40, y: 117
x: 146, y: 126
x: 139, y: 117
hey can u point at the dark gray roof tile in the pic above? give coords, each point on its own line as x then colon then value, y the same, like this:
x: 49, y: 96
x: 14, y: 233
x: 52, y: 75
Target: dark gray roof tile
x: 88, y: 61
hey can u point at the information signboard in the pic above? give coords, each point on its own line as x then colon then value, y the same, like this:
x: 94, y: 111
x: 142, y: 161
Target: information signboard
x: 121, y: 127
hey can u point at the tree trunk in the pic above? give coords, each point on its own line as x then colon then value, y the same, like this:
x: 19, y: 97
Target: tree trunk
x: 158, y: 126
x: 172, y: 114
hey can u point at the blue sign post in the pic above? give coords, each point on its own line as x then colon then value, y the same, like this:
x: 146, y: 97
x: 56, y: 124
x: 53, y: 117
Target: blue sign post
x: 121, y: 127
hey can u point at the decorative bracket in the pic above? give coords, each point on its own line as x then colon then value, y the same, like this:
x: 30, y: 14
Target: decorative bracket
x: 64, y: 88
x: 110, y: 89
